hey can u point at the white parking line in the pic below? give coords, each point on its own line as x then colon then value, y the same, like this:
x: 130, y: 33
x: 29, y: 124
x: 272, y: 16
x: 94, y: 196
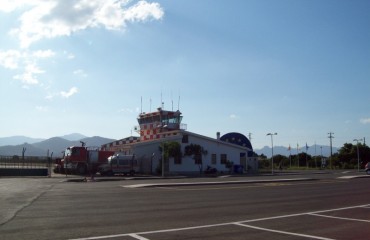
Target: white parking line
x: 240, y: 223
x: 138, y: 237
x: 342, y: 218
x: 155, y: 231
x: 340, y: 209
x: 282, y: 232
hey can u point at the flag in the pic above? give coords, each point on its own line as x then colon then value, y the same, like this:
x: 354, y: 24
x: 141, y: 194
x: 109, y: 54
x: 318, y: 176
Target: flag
x: 289, y: 148
x: 306, y: 147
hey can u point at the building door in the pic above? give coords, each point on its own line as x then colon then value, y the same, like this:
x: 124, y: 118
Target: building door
x: 243, y: 161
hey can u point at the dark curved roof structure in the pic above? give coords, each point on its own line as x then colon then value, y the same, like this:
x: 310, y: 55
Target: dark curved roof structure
x: 237, y: 138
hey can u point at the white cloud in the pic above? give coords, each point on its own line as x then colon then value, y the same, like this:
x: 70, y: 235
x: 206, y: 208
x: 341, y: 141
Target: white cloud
x: 43, y: 53
x: 80, y: 72
x: 50, y: 96
x: 233, y: 116
x: 26, y: 62
x: 10, y: 59
x: 68, y: 94
x: 365, y: 120
x: 55, y: 18
x: 28, y: 76
x: 42, y: 108
x: 11, y: 5
x: 143, y: 11
x: 70, y: 56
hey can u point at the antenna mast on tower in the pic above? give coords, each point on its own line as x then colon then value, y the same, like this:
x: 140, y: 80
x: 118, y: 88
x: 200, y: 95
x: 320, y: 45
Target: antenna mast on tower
x: 178, y: 104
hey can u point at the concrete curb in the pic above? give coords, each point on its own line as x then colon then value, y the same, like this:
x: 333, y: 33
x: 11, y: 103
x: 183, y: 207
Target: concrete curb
x: 215, y: 183
x: 354, y: 177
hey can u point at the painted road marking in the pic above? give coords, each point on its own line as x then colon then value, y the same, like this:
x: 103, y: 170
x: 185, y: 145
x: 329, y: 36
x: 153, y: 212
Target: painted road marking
x: 283, y: 232
x: 240, y: 223
x: 342, y: 218
x: 138, y: 237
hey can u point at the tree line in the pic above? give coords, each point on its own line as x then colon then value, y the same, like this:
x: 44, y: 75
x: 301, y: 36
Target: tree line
x: 345, y: 158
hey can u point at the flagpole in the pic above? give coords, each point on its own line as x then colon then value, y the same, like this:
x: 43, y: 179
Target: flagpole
x: 315, y: 156
x: 290, y: 157
x: 306, y: 156
x: 298, y: 154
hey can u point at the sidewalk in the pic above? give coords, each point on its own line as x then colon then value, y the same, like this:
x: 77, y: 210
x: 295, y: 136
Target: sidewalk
x: 216, y: 183
x: 221, y: 179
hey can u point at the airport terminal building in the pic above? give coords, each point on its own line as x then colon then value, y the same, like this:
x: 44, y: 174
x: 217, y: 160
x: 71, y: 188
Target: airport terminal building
x: 230, y: 152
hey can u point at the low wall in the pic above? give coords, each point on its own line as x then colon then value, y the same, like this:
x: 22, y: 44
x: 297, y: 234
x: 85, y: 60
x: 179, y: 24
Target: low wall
x: 23, y: 172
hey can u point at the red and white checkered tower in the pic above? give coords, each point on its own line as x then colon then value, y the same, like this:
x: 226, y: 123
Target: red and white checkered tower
x: 156, y: 125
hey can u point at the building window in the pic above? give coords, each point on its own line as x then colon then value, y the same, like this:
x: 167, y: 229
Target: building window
x: 185, y: 138
x: 223, y: 158
x: 214, y: 159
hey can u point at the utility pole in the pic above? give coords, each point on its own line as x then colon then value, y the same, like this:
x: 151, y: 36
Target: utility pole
x: 272, y: 151
x: 331, y: 147
x: 358, y: 153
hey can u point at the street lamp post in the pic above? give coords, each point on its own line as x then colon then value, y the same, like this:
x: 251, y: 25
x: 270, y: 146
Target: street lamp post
x: 358, y: 154
x: 272, y: 151
x: 163, y: 160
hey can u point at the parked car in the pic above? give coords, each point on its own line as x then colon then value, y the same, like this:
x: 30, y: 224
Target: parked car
x: 119, y: 164
x: 367, y: 168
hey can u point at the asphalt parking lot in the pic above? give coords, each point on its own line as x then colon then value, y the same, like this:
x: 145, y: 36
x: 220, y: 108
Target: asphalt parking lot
x: 353, y: 222
x: 325, y: 206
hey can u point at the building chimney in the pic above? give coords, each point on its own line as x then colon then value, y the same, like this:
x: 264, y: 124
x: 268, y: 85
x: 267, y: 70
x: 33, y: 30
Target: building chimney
x: 218, y: 135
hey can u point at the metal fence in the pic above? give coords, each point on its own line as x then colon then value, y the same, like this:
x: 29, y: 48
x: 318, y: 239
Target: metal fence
x: 25, y: 166
x: 26, y: 162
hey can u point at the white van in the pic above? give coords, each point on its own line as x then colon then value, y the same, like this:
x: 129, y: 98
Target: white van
x: 119, y: 164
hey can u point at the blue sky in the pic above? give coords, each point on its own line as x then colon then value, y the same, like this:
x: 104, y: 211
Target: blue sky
x: 298, y: 68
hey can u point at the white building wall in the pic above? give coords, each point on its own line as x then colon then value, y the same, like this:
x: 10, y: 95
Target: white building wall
x: 212, y: 146
x: 149, y: 154
x: 144, y: 153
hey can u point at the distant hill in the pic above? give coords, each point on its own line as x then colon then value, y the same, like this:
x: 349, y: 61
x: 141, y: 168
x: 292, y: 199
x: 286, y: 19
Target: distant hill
x: 16, y: 140
x: 17, y: 150
x: 285, y: 152
x: 96, y: 141
x: 74, y: 137
x: 55, y: 145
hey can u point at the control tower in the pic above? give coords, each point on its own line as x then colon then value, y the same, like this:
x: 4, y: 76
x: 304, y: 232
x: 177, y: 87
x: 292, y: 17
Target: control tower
x: 156, y: 125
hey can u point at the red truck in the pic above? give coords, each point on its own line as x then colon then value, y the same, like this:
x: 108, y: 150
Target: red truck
x: 81, y: 160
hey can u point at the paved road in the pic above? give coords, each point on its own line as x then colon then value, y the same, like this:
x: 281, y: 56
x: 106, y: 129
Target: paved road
x: 324, y: 206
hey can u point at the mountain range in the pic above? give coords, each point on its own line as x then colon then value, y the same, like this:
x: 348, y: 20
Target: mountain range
x: 10, y: 146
